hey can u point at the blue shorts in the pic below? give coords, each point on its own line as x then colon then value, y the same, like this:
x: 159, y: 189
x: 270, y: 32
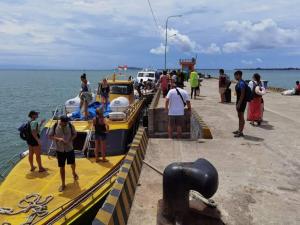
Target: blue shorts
x: 100, y: 137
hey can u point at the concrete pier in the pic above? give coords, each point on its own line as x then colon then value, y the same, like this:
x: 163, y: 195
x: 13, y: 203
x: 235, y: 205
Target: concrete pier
x: 259, y: 175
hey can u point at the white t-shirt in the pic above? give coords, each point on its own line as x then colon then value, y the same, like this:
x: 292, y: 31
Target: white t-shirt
x: 176, y: 106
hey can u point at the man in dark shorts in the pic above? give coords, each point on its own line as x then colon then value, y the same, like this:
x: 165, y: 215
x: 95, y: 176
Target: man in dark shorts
x: 63, y: 133
x: 241, y: 102
x: 176, y: 100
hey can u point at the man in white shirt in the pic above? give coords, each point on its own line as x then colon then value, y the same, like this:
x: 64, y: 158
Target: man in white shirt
x: 176, y: 100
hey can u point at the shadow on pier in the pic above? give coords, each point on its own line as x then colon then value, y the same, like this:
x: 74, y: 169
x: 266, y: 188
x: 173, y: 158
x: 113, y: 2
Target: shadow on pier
x: 199, y: 214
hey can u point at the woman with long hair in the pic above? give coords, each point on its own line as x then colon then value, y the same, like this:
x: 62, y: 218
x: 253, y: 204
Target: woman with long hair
x: 104, y: 92
x: 255, y: 107
x: 85, y: 95
x: 101, y: 129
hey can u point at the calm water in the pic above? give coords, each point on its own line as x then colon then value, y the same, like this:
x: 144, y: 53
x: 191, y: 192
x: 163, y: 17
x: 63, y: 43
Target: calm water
x: 22, y: 91
x: 277, y: 78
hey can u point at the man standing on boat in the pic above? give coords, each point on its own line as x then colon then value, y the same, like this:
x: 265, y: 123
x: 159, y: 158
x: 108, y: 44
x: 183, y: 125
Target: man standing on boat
x: 63, y: 133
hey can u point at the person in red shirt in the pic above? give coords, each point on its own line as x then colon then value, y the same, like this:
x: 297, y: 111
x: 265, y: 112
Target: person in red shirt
x: 297, y: 88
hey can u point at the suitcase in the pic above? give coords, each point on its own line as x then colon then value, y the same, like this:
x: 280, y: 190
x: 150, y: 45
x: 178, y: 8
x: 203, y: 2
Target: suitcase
x: 228, y: 95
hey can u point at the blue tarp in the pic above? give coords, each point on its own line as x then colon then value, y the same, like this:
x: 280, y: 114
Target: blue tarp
x: 92, y: 111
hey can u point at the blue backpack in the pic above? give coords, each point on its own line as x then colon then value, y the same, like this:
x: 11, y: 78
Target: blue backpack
x: 25, y: 131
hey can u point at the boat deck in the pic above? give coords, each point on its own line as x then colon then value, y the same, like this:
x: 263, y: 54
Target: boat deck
x: 22, y: 182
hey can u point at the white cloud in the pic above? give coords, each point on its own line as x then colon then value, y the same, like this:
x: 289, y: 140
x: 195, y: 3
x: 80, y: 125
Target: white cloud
x: 259, y: 60
x: 247, y: 62
x: 181, y: 41
x: 251, y: 62
x: 264, y: 34
x: 184, y: 43
x: 212, y: 49
x: 160, y: 50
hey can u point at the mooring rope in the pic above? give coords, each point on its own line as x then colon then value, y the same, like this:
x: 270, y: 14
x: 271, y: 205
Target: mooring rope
x: 31, y: 202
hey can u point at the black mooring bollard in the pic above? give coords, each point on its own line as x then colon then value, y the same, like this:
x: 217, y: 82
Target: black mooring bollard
x: 180, y: 178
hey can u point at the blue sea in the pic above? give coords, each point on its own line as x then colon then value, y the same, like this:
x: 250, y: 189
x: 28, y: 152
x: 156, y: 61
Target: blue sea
x: 42, y: 90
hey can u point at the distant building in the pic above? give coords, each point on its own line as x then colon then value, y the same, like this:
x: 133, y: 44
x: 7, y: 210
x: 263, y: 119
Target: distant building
x: 187, y: 65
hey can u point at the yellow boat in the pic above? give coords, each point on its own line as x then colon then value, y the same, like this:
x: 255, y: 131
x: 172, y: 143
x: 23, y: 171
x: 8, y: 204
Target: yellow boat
x: 81, y: 200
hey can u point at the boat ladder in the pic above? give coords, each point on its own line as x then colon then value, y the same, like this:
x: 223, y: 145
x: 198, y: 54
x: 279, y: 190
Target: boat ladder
x: 90, y: 143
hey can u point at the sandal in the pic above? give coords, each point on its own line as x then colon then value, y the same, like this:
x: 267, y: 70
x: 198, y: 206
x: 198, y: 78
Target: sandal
x: 236, y: 132
x: 240, y: 134
x: 32, y: 169
x: 61, y: 188
x: 75, y: 177
x: 42, y: 170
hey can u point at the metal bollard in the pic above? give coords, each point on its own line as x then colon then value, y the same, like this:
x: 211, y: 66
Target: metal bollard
x: 180, y: 178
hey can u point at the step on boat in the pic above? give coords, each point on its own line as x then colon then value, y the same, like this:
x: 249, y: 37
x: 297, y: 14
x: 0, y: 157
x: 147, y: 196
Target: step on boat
x: 33, y: 198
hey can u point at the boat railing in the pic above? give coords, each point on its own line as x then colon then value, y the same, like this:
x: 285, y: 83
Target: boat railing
x: 10, y: 164
x: 132, y: 109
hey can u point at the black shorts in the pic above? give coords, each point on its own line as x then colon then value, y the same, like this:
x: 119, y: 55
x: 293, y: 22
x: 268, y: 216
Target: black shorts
x: 100, y: 137
x: 242, y: 107
x: 63, y: 156
x: 32, y: 142
x: 176, y: 121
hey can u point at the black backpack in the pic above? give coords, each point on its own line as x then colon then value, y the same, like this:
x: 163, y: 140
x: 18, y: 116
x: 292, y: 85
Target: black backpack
x: 249, y: 93
x: 25, y: 131
x: 70, y: 125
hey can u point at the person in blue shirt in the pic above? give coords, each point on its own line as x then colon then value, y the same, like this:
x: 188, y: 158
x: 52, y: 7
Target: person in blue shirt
x: 241, y: 102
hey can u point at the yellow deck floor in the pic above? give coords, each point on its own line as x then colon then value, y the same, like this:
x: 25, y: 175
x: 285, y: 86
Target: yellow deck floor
x: 21, y: 182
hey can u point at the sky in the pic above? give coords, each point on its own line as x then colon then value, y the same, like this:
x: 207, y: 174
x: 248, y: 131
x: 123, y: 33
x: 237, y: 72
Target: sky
x: 101, y: 34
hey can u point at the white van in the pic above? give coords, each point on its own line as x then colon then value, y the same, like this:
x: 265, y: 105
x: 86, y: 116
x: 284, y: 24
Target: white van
x: 146, y: 75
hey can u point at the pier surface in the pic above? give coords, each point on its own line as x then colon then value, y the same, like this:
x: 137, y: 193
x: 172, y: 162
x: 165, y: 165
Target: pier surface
x: 259, y: 175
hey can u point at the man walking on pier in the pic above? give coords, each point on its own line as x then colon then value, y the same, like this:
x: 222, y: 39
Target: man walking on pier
x: 176, y: 101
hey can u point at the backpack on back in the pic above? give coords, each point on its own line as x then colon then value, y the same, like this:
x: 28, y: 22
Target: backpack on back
x: 25, y: 131
x: 249, y: 93
x: 70, y: 125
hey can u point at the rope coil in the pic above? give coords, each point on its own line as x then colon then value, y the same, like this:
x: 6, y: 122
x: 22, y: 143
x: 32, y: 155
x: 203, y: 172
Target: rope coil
x: 31, y: 202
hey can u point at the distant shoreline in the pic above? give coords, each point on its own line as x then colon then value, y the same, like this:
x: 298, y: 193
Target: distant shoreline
x: 289, y: 68
x: 137, y: 68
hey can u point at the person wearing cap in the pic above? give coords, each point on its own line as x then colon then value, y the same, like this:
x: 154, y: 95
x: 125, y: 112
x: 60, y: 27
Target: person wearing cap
x: 63, y: 133
x: 85, y: 95
x: 33, y: 141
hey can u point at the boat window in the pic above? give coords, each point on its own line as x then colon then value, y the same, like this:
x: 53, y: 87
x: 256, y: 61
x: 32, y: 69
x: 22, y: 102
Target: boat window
x: 121, y: 89
x: 146, y: 75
